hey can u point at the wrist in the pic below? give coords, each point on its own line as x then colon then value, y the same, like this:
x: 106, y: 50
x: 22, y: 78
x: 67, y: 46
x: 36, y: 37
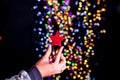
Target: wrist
x: 35, y: 73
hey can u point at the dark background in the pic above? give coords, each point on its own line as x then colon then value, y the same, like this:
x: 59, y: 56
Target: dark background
x: 16, y: 51
x: 16, y: 48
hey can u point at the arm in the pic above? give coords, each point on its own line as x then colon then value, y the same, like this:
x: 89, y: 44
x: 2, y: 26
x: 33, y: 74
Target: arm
x: 23, y: 75
x: 43, y: 67
x: 32, y: 74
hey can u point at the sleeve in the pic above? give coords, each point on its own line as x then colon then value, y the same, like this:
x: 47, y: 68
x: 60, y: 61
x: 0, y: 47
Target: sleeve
x: 32, y: 74
x: 23, y: 75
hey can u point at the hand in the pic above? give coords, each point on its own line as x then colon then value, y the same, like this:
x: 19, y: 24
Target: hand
x: 48, y: 68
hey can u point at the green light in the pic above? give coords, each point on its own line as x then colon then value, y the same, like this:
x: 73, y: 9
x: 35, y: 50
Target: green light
x: 73, y: 64
x: 63, y: 1
x: 58, y: 4
x: 45, y: 25
x: 77, y: 52
x: 48, y: 12
x: 61, y: 26
x: 64, y: 53
x: 50, y: 3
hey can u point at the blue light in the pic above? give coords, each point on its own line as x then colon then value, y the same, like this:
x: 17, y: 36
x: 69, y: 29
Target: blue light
x: 39, y: 13
x: 67, y: 77
x: 93, y: 78
x: 40, y: 29
x: 76, y: 2
x: 37, y: 49
x: 34, y: 29
x: 35, y: 7
x: 94, y: 6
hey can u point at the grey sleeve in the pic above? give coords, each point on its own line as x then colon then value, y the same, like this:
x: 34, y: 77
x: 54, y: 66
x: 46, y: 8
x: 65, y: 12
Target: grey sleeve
x: 34, y: 73
x: 23, y: 75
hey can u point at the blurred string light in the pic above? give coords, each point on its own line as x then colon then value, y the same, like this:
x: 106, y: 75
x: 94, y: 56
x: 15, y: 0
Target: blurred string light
x: 79, y: 21
x: 0, y: 38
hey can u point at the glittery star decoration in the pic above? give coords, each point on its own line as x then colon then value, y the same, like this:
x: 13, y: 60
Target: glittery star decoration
x: 57, y: 39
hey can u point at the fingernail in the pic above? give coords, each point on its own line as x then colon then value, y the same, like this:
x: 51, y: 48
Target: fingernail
x: 62, y: 54
x: 62, y: 47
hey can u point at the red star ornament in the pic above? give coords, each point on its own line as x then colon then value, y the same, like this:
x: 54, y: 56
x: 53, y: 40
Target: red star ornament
x: 57, y: 39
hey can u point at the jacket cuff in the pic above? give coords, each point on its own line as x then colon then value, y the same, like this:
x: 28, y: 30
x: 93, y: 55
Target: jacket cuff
x: 34, y: 73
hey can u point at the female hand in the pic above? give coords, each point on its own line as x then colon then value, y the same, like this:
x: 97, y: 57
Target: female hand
x: 48, y: 68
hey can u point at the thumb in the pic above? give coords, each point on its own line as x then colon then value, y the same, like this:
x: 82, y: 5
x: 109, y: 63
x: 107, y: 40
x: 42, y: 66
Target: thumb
x: 48, y: 52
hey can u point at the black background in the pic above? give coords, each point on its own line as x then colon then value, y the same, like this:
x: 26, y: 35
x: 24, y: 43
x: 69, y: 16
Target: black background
x: 16, y: 51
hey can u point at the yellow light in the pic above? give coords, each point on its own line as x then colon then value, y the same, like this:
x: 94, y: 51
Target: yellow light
x: 87, y: 65
x: 86, y: 77
x: 84, y: 72
x: 89, y: 4
x: 53, y: 13
x: 65, y: 17
x: 81, y: 78
x: 80, y: 62
x: 81, y: 68
x: 86, y: 8
x: 74, y: 77
x: 75, y: 72
x: 46, y: 46
x: 90, y: 31
x: 79, y: 9
x: 50, y: 40
x: 89, y: 71
x: 44, y: 7
x: 58, y: 22
x: 103, y: 31
x: 68, y: 7
x: 47, y: 16
x: 78, y: 13
x: 98, y: 11
x: 93, y: 54
x: 71, y: 74
x: 90, y: 47
x: 87, y: 53
x: 89, y: 13
x: 75, y: 67
x: 89, y: 35
x: 98, y: 2
x: 83, y: 0
x: 80, y: 4
x: 88, y: 50
x: 78, y: 76
x: 98, y: 14
x: 66, y: 22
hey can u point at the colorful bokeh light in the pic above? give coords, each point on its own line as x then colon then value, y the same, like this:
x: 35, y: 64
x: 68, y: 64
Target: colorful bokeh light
x: 79, y: 21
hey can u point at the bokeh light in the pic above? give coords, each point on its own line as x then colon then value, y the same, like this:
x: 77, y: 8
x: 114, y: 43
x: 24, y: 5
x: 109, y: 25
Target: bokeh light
x: 79, y: 21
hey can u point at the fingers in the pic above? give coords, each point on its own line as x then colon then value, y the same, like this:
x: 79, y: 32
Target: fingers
x: 63, y: 59
x: 48, y: 52
x: 57, y: 59
x: 64, y: 67
x: 63, y: 62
